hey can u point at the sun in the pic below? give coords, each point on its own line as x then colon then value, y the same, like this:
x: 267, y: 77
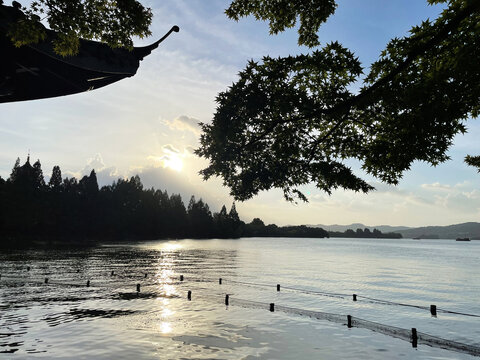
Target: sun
x: 173, y: 162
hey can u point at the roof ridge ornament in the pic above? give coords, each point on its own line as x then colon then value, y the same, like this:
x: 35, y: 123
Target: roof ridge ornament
x: 143, y: 51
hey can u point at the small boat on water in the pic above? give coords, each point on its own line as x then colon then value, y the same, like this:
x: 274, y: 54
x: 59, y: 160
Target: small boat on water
x: 463, y: 239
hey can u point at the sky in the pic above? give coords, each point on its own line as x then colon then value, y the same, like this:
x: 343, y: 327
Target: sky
x: 148, y: 124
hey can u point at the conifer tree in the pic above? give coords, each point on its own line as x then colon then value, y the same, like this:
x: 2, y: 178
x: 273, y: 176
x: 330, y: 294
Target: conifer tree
x: 39, y: 180
x: 223, y: 212
x: 15, y: 169
x: 55, y: 181
x: 233, y: 214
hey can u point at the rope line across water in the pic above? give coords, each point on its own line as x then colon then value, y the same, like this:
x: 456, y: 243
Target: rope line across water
x: 290, y: 288
x: 404, y: 334
x: 393, y: 331
x: 343, y: 296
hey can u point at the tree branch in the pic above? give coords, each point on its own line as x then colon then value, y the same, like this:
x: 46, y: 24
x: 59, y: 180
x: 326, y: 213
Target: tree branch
x: 441, y: 35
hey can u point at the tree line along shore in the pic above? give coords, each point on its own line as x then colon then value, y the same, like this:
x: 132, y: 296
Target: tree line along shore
x: 67, y: 210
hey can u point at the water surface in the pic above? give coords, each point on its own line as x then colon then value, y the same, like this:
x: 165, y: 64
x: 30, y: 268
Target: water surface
x: 65, y: 319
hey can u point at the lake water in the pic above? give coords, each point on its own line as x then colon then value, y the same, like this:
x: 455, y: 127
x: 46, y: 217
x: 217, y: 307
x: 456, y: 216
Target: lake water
x: 64, y: 319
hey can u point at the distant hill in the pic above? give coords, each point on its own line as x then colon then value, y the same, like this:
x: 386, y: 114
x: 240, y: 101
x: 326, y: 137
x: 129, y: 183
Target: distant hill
x: 469, y: 229
x: 382, y: 228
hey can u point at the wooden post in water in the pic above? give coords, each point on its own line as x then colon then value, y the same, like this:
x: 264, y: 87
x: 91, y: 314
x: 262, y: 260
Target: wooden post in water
x: 220, y: 281
x: 278, y: 287
x: 138, y: 287
x: 433, y: 310
x: 189, y: 295
x: 354, y: 297
x: 227, y: 298
x: 349, y: 321
x: 181, y: 277
x: 88, y: 283
x: 272, y: 307
x: 146, y: 275
x: 28, y: 268
x: 414, y: 337
x: 112, y: 273
x: 46, y: 280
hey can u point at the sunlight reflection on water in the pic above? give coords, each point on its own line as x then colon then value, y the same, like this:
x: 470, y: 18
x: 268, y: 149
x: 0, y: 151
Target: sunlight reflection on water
x: 109, y: 319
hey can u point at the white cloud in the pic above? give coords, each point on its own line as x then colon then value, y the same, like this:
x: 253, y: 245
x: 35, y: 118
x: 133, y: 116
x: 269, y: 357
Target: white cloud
x: 105, y: 175
x: 466, y: 203
x: 436, y: 187
x: 385, y: 188
x: 475, y: 194
x: 170, y: 149
x: 464, y: 184
x: 95, y: 162
x: 184, y: 123
x: 462, y: 197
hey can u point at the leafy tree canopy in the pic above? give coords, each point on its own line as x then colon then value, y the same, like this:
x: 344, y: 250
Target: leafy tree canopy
x: 473, y: 161
x: 283, y: 14
x: 295, y: 120
x: 114, y: 22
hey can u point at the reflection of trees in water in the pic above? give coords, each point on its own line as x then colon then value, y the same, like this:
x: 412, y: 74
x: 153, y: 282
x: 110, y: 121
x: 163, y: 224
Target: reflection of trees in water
x: 122, y: 259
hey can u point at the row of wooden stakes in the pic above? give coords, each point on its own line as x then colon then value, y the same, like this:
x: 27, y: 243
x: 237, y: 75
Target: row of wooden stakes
x: 433, y: 308
x: 414, y: 336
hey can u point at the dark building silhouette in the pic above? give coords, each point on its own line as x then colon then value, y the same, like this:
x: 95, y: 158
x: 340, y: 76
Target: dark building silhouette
x: 35, y: 71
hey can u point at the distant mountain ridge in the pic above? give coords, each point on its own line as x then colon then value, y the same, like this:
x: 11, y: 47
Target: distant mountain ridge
x: 465, y: 230
x: 355, y: 226
x: 468, y: 229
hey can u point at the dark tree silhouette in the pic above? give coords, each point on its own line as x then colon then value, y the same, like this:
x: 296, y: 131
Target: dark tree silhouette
x: 55, y: 182
x: 233, y: 214
x: 14, y: 172
x: 295, y: 120
x: 473, y: 161
x: 364, y: 233
x: 69, y: 211
x: 220, y: 220
x: 257, y: 228
x: 200, y: 218
x: 38, y: 173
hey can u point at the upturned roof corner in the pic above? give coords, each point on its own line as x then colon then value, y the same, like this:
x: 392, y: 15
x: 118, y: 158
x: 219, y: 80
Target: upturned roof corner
x: 36, y: 71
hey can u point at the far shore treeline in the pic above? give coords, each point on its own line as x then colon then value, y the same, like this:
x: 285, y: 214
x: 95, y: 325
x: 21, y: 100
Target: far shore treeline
x: 365, y: 234
x: 67, y: 210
